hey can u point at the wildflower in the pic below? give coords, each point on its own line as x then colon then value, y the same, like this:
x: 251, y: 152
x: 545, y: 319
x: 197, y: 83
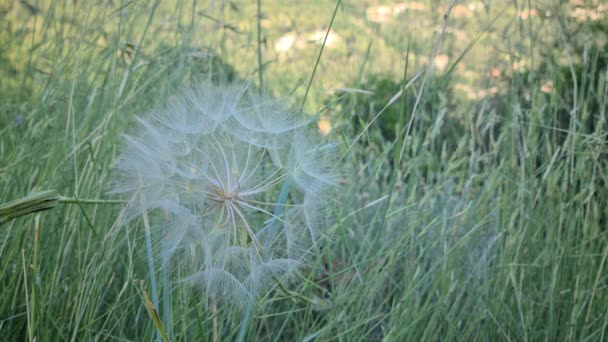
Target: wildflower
x: 242, y: 181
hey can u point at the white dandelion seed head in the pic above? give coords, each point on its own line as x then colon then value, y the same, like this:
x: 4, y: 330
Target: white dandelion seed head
x: 241, y: 180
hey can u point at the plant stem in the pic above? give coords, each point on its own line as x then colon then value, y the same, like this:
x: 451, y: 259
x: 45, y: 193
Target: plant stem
x: 150, y: 260
x: 73, y: 200
x: 244, y: 323
x: 314, y: 69
x: 161, y: 333
x: 260, y: 73
x: 166, y: 270
x: 35, y: 275
x: 215, y: 324
x: 294, y: 294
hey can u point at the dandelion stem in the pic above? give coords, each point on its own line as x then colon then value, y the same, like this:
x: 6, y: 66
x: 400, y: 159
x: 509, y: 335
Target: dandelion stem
x: 245, y: 322
x: 281, y: 202
x: 150, y: 260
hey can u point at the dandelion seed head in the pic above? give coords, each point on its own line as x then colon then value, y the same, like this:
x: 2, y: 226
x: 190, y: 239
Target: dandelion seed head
x: 241, y: 180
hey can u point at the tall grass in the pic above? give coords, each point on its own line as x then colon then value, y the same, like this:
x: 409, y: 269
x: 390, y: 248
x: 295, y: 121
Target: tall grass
x: 492, y: 231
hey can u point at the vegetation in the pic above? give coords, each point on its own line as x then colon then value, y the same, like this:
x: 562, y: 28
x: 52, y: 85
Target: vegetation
x: 473, y: 199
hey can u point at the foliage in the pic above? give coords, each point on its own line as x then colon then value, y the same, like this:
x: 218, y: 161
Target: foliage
x: 494, y: 229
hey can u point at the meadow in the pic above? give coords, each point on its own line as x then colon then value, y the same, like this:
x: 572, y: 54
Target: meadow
x: 472, y: 149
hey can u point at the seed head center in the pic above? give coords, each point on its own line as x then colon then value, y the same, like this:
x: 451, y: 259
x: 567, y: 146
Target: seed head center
x: 225, y: 196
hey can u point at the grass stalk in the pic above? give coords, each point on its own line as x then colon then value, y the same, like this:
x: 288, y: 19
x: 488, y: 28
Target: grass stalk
x: 214, y: 322
x: 260, y: 65
x: 314, y: 69
x: 158, y: 324
x: 166, y: 270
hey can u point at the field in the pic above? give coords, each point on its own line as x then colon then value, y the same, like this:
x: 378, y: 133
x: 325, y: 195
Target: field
x: 471, y: 195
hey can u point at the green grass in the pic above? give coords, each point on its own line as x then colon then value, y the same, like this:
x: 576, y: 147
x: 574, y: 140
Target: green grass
x: 492, y: 227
